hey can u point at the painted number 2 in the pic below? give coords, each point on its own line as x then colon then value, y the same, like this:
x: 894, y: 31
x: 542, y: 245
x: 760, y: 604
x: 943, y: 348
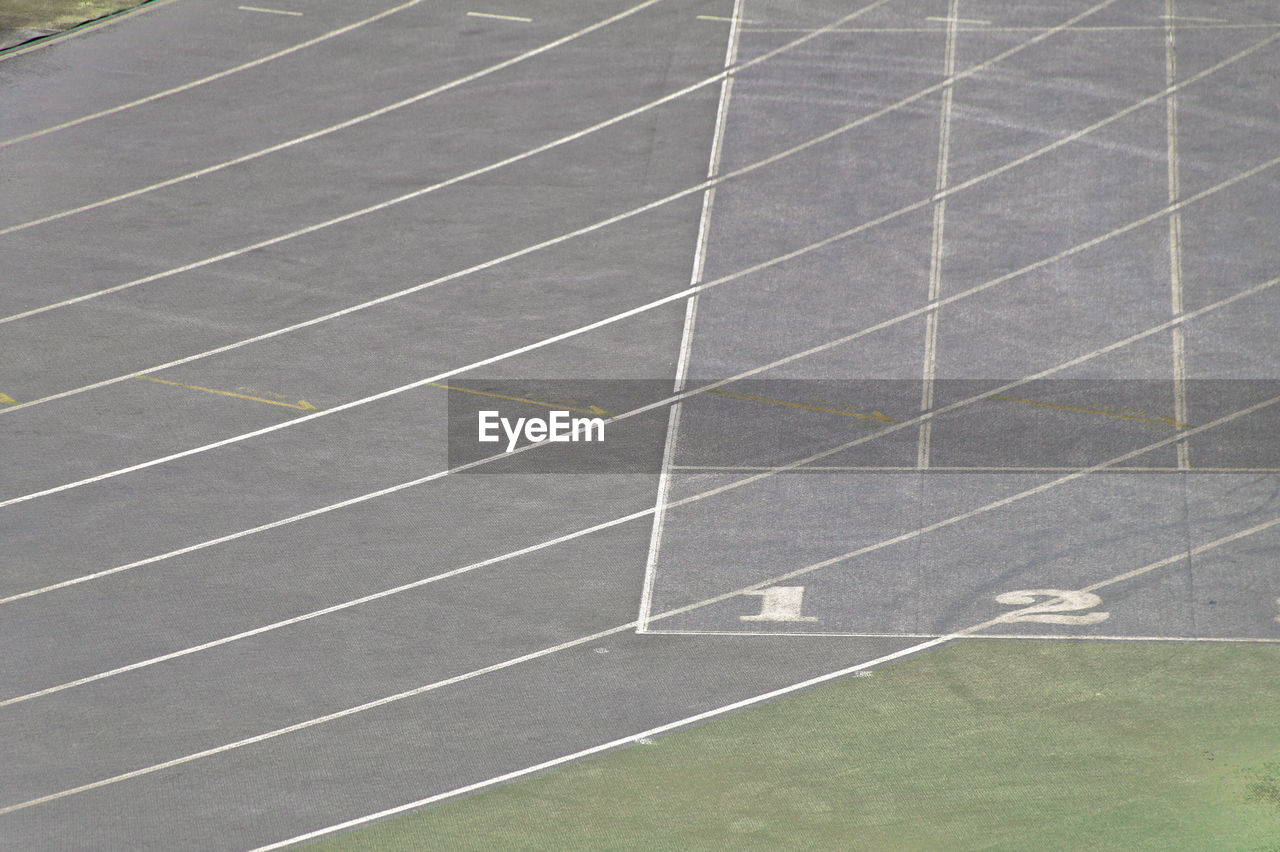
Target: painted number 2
x: 779, y: 603
x: 1051, y: 611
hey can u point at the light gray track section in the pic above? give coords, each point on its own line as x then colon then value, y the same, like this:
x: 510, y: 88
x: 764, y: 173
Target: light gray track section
x: 1065, y: 537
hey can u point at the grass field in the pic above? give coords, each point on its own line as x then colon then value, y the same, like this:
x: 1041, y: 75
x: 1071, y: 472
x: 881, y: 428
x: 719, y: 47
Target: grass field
x: 984, y: 744
x: 56, y: 15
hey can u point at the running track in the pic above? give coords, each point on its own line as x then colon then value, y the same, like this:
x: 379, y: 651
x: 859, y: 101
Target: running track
x: 242, y: 601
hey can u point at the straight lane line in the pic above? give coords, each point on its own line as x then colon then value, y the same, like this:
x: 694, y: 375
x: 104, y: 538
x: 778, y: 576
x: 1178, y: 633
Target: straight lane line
x: 690, y: 320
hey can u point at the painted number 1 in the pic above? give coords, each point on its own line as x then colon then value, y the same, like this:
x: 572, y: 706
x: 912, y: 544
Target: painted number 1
x: 779, y: 603
x: 1056, y: 603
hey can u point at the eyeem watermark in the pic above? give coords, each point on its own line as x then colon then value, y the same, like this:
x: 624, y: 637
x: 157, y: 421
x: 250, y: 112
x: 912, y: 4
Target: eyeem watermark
x: 558, y: 427
x: 755, y: 424
x: 572, y: 425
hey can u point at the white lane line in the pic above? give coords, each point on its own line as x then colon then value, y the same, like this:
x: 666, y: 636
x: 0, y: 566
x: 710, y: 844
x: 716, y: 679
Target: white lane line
x: 212, y: 77
x: 663, y: 494
x: 1172, y: 18
x: 268, y: 11
x: 1232, y: 640
x: 925, y: 437
x: 679, y: 295
x: 735, y: 19
x: 659, y: 202
x: 690, y: 319
x: 309, y: 137
x: 500, y: 17
x: 641, y: 624
x: 1076, y: 637
x: 1081, y: 29
x: 1001, y: 619
x: 416, y: 193
x: 1177, y: 334
x: 952, y: 21
x: 834, y: 468
x: 572, y: 234
x: 810, y: 634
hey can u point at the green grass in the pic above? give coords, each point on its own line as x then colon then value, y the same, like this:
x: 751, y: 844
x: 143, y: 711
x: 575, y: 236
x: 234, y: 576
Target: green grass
x: 983, y: 744
x: 57, y: 15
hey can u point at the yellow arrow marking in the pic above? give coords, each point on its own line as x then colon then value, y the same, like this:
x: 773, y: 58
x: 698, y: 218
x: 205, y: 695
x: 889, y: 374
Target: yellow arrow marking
x: 5, y: 399
x: 1163, y: 421
x: 301, y: 405
x: 875, y: 415
x: 595, y: 409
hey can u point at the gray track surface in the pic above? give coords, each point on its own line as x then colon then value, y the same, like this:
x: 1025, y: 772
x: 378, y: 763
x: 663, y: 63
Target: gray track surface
x: 246, y: 794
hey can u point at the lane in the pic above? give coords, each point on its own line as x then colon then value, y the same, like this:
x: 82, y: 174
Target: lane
x: 862, y: 668
x: 786, y: 609
x: 359, y: 449
x: 323, y: 273
x: 347, y: 122
x: 1230, y: 358
x: 923, y: 93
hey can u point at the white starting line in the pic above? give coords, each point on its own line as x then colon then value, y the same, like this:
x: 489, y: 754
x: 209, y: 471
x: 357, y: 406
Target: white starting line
x: 268, y: 11
x: 500, y: 17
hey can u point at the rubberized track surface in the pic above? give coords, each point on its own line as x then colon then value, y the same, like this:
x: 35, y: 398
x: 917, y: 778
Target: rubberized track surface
x: 241, y: 602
